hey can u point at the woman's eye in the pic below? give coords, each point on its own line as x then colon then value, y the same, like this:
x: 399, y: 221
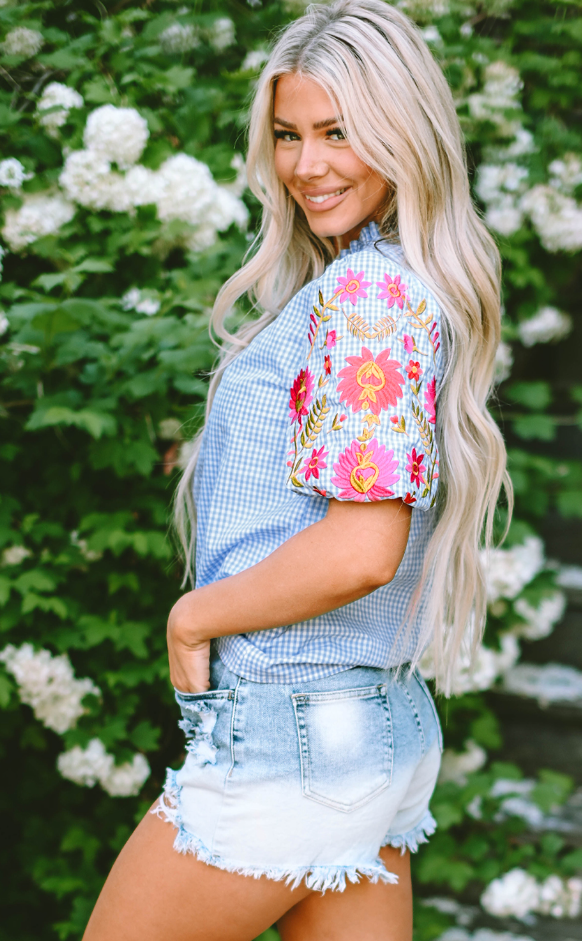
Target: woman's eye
x: 336, y: 133
x: 286, y: 135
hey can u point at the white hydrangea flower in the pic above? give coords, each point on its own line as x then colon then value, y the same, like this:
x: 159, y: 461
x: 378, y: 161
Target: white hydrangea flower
x: 116, y: 134
x: 570, y: 576
x: 221, y: 34
x: 40, y: 214
x: 22, y: 41
x: 47, y: 683
x: 503, y: 363
x: 87, y: 179
x: 508, y: 571
x: 469, y: 675
x: 14, y: 555
x: 143, y: 302
x: 500, y: 93
x: 188, y: 189
x: 557, y: 218
x: 540, y: 621
x: 431, y: 35
x: 456, y: 766
x: 13, y: 174
x: 179, y: 38
x: 498, y: 186
x: 170, y: 429
x: 566, y: 174
x: 93, y: 764
x: 547, y: 324
x: 226, y: 209
x: 83, y: 546
x: 254, y: 59
x: 57, y: 99
x: 144, y: 186
x: 238, y: 186
x: 515, y: 894
x: 4, y: 323
x: 2, y: 253
x: 85, y: 766
x: 126, y: 780
x: 551, y: 682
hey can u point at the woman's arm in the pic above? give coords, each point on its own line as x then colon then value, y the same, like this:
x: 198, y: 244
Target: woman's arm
x: 355, y: 549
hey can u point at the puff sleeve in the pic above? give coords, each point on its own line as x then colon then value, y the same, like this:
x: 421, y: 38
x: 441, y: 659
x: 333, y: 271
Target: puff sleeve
x: 362, y: 404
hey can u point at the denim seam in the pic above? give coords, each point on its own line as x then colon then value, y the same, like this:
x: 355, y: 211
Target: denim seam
x: 232, y: 721
x: 416, y: 718
x: 420, y: 680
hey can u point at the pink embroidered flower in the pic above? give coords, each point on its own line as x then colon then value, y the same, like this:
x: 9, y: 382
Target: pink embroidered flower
x: 392, y: 290
x: 415, y: 468
x: 409, y: 498
x: 370, y: 384
x: 353, y: 287
x: 301, y: 395
x: 429, y: 400
x: 414, y: 371
x: 365, y: 472
x: 331, y: 339
x: 315, y: 463
x: 409, y: 344
x: 327, y: 365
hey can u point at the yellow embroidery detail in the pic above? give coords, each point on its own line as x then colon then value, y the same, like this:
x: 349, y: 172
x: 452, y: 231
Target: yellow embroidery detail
x: 360, y: 483
x: 370, y: 370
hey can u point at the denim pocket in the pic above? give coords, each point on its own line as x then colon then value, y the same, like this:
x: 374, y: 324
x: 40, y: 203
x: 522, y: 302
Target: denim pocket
x: 345, y: 741
x: 199, y: 715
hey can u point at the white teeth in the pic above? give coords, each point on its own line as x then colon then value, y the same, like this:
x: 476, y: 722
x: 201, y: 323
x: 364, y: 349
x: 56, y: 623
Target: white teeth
x: 322, y: 199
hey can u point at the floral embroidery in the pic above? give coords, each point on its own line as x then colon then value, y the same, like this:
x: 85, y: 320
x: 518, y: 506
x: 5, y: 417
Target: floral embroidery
x: 365, y: 471
x: 327, y: 365
x: 409, y: 344
x: 429, y: 400
x: 415, y: 468
x: 353, y: 287
x: 331, y: 339
x: 409, y: 498
x: 301, y: 395
x: 392, y: 290
x: 432, y: 332
x: 414, y: 371
x: 370, y: 384
x: 315, y: 463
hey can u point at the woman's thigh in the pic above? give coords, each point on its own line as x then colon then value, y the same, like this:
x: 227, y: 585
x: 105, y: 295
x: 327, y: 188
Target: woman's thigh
x: 154, y: 893
x: 366, y: 911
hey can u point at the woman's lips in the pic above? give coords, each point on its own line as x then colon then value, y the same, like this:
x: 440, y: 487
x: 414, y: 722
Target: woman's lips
x: 324, y: 201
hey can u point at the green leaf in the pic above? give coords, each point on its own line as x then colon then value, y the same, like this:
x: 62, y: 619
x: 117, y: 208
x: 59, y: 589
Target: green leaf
x: 534, y: 395
x: 529, y: 427
x: 96, y: 423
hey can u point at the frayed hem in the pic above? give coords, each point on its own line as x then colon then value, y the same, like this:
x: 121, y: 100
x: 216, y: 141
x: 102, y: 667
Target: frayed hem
x: 317, y: 878
x: 412, y: 840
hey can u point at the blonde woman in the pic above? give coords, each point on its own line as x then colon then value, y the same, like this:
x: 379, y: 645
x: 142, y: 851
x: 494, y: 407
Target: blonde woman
x: 345, y: 478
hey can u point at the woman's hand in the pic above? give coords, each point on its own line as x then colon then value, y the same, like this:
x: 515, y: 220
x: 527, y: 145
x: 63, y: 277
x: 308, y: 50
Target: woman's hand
x: 189, y: 656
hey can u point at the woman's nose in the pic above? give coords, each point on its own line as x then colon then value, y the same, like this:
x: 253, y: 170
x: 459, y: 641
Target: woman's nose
x: 311, y: 162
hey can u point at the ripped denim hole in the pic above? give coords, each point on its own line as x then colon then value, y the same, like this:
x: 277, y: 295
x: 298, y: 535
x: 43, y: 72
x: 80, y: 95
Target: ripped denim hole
x: 198, y: 731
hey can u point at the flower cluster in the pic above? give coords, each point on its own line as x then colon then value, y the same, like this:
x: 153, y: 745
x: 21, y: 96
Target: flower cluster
x: 221, y: 34
x: 182, y: 188
x: 518, y: 894
x: 48, y: 684
x: 93, y: 764
x: 503, y: 363
x: 54, y: 104
x: 549, y: 682
x: 14, y: 555
x: 456, y: 766
x: 547, y: 324
x: 143, y: 302
x: 477, y: 672
x: 508, y: 571
x: 540, y: 621
x: 22, y: 41
x: 13, y: 174
x: 179, y: 37
x: 40, y: 214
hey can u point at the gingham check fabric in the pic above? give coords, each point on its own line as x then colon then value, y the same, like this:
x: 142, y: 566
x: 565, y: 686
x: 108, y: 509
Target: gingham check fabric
x: 335, y: 398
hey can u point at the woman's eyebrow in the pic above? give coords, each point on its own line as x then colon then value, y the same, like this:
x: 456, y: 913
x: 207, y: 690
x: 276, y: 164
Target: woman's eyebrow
x: 316, y: 127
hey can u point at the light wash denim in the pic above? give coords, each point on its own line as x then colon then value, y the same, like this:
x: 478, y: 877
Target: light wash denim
x: 305, y: 781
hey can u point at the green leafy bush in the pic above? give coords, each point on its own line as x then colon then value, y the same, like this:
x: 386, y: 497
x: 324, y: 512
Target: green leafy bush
x: 118, y: 228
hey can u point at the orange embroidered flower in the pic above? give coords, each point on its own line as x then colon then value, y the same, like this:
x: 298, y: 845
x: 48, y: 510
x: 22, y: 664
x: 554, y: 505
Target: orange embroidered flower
x: 370, y: 384
x: 414, y: 371
x: 353, y: 287
x: 392, y: 291
x: 415, y: 468
x: 315, y: 463
x: 365, y: 472
x: 301, y: 394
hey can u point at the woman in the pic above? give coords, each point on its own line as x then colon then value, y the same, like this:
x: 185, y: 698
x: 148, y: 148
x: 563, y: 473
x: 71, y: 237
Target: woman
x: 333, y: 542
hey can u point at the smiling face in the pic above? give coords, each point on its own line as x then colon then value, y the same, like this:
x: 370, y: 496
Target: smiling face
x: 337, y: 191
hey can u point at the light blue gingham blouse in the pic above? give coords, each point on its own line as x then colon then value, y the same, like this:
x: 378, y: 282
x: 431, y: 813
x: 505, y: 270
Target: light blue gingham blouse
x: 335, y: 398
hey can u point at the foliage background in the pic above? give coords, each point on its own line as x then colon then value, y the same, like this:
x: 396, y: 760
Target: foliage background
x: 97, y: 398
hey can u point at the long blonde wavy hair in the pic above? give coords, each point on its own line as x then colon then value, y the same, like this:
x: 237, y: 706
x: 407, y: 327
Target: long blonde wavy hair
x: 400, y: 119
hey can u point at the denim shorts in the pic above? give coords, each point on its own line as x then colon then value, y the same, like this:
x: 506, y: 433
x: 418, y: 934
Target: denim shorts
x: 305, y: 781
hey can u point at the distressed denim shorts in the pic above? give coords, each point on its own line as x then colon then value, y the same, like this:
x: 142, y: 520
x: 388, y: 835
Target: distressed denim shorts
x: 306, y: 781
